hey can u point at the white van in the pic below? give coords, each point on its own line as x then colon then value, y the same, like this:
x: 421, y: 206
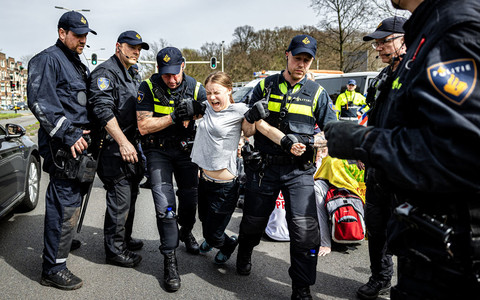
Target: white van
x: 336, y: 84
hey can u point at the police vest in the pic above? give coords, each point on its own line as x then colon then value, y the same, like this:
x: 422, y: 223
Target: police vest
x: 292, y: 111
x: 166, y: 105
x: 351, y: 102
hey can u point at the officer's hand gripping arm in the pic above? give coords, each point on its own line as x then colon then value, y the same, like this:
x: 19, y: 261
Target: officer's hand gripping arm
x: 258, y: 112
x: 344, y: 139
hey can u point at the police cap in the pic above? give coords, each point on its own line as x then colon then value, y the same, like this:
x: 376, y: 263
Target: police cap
x: 74, y: 21
x: 386, y: 28
x: 169, y: 61
x: 132, y: 38
x: 303, y: 44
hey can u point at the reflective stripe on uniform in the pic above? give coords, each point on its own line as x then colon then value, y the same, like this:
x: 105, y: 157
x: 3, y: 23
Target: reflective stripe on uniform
x: 58, y: 126
x: 157, y: 107
x: 197, y: 87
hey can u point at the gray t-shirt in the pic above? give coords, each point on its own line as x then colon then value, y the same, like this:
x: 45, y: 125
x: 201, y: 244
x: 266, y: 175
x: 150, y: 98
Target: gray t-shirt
x: 217, y: 137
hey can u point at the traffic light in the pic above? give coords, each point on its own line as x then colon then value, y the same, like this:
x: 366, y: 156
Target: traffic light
x: 94, y: 59
x: 12, y: 85
x: 213, y: 62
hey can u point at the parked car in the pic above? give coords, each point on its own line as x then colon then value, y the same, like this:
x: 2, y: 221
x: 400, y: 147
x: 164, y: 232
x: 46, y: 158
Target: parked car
x: 21, y: 105
x: 244, y: 94
x: 336, y: 84
x: 19, y: 170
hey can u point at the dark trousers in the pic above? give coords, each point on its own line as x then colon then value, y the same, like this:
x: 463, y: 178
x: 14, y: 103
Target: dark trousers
x: 297, y: 187
x: 419, y: 280
x: 63, y: 199
x: 121, y: 197
x: 162, y: 164
x: 377, y: 213
x: 216, y: 204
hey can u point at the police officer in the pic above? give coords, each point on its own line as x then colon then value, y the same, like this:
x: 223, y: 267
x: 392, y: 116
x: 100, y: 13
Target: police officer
x: 390, y: 45
x: 295, y: 105
x: 424, y: 148
x: 167, y: 142
x: 112, y: 97
x: 349, y: 103
x: 57, y: 97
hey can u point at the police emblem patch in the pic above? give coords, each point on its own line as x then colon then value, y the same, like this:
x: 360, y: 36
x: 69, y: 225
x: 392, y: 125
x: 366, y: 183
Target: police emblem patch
x: 103, y: 83
x: 140, y: 96
x: 454, y: 79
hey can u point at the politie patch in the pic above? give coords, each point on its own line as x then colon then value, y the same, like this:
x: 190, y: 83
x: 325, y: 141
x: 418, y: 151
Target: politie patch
x: 454, y: 79
x: 103, y: 83
x: 140, y: 96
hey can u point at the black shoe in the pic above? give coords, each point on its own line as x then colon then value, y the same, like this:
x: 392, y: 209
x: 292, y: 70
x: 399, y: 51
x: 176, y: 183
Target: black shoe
x: 373, y: 288
x: 301, y: 293
x: 147, y: 184
x: 63, y: 279
x: 190, y: 241
x: 134, y: 244
x: 75, y: 245
x: 244, y: 261
x: 126, y: 259
x: 171, y: 278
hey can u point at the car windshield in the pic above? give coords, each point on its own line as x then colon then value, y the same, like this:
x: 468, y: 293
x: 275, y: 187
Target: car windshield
x: 240, y: 95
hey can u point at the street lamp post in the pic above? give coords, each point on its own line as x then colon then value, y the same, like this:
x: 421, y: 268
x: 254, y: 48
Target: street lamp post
x: 60, y: 7
x: 222, y: 54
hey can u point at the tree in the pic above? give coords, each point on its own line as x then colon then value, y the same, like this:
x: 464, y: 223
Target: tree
x: 243, y: 37
x: 148, y: 70
x: 343, y: 22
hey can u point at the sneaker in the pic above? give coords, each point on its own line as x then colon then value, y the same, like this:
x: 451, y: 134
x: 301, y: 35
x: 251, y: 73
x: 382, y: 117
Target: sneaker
x: 224, y: 254
x: 373, y: 288
x: 63, y: 279
x: 205, y: 247
x: 190, y: 241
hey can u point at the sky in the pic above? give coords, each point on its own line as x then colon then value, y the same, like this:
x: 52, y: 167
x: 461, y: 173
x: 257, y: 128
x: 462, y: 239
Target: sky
x: 29, y: 26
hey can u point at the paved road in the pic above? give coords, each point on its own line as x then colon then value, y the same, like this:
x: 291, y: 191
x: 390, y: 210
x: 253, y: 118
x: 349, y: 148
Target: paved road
x: 338, y: 275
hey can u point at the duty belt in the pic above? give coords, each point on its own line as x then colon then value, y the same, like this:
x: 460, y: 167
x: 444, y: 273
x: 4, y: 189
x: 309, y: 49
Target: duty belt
x: 278, y: 159
x: 160, y: 142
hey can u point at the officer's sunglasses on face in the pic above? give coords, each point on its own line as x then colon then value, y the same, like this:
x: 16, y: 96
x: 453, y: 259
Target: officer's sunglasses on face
x: 375, y: 45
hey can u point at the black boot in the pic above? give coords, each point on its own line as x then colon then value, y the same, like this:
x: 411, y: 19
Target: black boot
x: 244, y: 260
x: 373, y: 288
x: 189, y: 240
x: 134, y: 244
x: 301, y: 293
x: 171, y: 278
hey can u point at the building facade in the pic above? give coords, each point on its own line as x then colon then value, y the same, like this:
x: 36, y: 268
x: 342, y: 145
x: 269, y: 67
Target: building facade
x: 13, y: 81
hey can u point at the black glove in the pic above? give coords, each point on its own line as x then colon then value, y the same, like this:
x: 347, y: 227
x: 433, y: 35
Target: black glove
x: 175, y: 116
x: 344, y: 139
x: 188, y: 108
x: 287, y: 142
x: 258, y: 112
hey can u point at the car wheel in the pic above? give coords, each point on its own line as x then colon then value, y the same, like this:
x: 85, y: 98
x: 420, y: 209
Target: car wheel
x: 33, y: 184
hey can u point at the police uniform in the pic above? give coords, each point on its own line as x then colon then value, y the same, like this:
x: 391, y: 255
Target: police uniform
x: 425, y: 148
x: 348, y: 104
x: 57, y: 97
x: 293, y: 109
x: 168, y: 152
x: 112, y: 94
x: 378, y: 201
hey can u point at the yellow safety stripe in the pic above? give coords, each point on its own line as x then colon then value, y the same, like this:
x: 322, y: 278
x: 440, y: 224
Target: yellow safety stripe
x: 197, y: 87
x: 300, y: 109
x: 317, y: 95
x: 160, y: 109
